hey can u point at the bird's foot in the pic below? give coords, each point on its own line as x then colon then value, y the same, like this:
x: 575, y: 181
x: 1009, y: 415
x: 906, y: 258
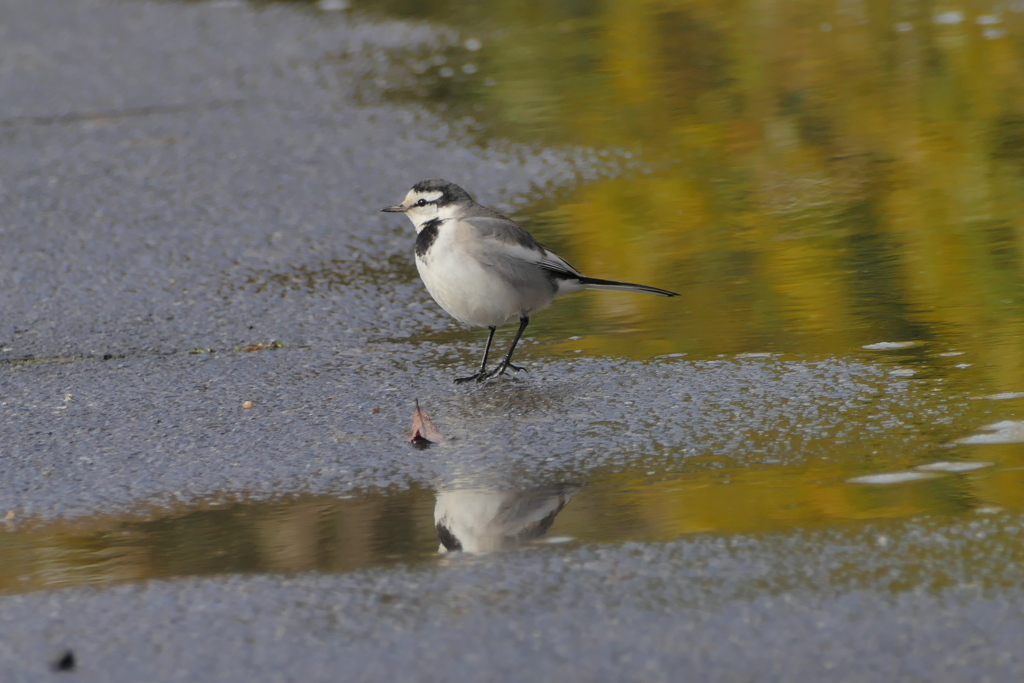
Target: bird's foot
x: 500, y: 370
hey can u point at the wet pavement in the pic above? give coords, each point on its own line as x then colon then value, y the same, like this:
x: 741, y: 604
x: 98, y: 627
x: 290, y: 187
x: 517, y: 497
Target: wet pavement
x: 182, y: 185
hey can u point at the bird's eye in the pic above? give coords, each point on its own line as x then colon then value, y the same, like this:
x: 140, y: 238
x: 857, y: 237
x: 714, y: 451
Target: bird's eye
x: 422, y: 202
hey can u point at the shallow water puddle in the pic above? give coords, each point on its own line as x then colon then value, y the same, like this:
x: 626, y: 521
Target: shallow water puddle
x: 327, y: 534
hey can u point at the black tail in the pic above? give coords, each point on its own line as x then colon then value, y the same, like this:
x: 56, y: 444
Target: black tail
x: 596, y: 283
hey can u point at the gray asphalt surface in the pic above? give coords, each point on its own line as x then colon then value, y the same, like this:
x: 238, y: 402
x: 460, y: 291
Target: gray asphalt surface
x: 146, y: 428
x: 875, y: 604
x: 194, y: 176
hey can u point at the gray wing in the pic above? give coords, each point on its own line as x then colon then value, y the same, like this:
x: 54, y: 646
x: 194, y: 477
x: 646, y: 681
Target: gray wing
x: 529, y: 514
x: 504, y: 230
x: 507, y: 232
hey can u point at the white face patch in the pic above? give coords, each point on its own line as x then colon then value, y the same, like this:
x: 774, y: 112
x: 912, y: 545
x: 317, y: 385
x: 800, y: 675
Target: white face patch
x: 421, y: 214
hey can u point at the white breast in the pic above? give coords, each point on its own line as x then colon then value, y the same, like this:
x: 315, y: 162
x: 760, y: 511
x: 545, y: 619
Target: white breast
x: 470, y: 290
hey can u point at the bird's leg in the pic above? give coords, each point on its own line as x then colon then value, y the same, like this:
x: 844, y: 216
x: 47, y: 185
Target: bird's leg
x: 507, y: 360
x: 483, y: 364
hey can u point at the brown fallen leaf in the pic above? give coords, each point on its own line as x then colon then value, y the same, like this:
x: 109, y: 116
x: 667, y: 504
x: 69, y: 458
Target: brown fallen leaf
x: 424, y: 432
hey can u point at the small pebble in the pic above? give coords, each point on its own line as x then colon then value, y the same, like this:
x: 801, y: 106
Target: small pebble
x: 64, y: 662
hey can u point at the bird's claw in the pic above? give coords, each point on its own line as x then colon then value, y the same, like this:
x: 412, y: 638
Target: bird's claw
x: 498, y: 370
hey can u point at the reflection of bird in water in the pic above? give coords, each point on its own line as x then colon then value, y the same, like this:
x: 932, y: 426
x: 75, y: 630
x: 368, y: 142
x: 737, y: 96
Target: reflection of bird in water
x: 486, y: 520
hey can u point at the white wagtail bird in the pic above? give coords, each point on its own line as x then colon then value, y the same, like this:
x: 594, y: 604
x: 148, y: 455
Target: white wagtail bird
x: 485, y: 270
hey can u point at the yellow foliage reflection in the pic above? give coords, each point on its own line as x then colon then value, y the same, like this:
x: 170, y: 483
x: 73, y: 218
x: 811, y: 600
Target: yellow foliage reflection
x: 818, y: 176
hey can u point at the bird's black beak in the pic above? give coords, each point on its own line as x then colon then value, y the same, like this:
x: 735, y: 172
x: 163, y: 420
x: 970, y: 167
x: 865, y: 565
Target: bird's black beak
x: 397, y: 208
